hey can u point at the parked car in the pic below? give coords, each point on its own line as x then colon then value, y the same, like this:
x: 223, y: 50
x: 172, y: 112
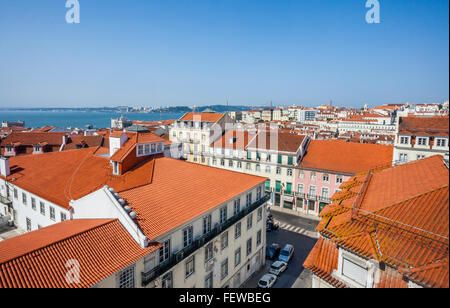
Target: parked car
x: 278, y: 267
x: 286, y: 254
x: 273, y: 251
x: 271, y: 226
x: 267, y: 281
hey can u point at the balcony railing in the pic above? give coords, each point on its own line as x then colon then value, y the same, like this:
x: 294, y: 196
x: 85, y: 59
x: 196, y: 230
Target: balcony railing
x: 300, y: 195
x: 324, y: 199
x: 176, y: 258
x: 311, y: 197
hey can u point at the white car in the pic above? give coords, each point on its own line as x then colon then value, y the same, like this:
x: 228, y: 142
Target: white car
x: 267, y: 281
x: 278, y: 267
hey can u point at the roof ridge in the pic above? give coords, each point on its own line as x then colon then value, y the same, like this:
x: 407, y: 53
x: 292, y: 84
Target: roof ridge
x: 107, y: 221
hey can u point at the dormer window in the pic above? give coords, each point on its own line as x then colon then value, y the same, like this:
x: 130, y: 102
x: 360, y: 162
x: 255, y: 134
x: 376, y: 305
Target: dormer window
x: 37, y: 148
x: 404, y: 140
x: 422, y: 141
x: 441, y: 142
x: 9, y: 149
x: 153, y: 148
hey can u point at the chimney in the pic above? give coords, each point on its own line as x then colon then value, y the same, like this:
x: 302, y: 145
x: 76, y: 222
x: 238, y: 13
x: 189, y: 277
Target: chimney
x: 4, y: 167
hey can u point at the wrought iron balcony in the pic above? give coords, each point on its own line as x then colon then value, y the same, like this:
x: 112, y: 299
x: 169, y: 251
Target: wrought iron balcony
x: 176, y: 258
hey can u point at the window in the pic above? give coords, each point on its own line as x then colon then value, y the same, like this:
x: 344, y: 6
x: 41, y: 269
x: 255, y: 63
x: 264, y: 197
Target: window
x: 207, y: 224
x: 301, y: 174
x: 280, y: 159
x: 312, y: 190
x: 422, y: 141
x: 237, y: 206
x: 258, y: 167
x: 290, y: 160
x: 15, y: 194
x: 63, y: 217
x: 404, y: 140
x: 42, y: 206
x: 249, y: 221
x: 237, y: 257
x: 28, y: 224
x: 239, y: 165
x: 222, y: 162
x: 24, y: 198
x: 190, y: 266
x: 441, y: 142
x: 268, y: 169
x: 268, y: 158
x: 289, y: 172
x: 249, y: 155
x: 258, y: 238
x: 208, y: 252
x: 140, y: 150
x: 259, y: 193
x: 248, y: 166
x: 249, y: 199
x: 167, y: 281
x: 33, y: 204
x: 354, y: 271
x: 339, y: 179
x: 224, y: 269
x: 325, y: 178
x: 164, y: 251
x: 312, y: 176
x: 209, y: 281
x: 223, y: 215
x: 249, y: 246
x: 188, y: 235
x: 268, y: 185
x: 300, y: 188
x: 126, y: 279
x: 52, y: 213
x: 237, y: 230
x: 230, y: 163
x: 325, y: 192
x: 278, y: 170
x: 224, y: 240
x: 260, y: 213
x: 403, y: 157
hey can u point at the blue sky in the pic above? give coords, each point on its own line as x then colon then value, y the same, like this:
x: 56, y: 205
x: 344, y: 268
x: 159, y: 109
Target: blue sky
x: 199, y: 52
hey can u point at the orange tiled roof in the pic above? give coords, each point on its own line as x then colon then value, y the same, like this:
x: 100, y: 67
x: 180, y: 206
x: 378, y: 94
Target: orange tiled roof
x: 345, y: 157
x: 285, y: 141
x: 84, y: 141
x: 202, y: 117
x: 438, y: 126
x: 399, y: 216
x: 60, y: 177
x: 323, y: 260
x: 38, y: 259
x: 33, y: 138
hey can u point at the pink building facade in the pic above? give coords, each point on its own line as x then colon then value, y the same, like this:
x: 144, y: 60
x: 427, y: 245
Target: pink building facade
x: 314, y: 189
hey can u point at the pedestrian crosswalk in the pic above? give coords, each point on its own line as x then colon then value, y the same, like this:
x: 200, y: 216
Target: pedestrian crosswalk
x: 299, y: 230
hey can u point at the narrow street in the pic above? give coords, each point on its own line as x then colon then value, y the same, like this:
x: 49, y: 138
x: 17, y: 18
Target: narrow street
x: 295, y: 276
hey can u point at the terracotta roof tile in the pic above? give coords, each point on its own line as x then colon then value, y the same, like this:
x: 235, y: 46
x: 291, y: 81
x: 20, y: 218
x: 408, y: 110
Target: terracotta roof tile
x: 38, y: 259
x: 345, y: 157
x: 424, y: 126
x: 398, y: 215
x: 202, y: 117
x: 276, y: 141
